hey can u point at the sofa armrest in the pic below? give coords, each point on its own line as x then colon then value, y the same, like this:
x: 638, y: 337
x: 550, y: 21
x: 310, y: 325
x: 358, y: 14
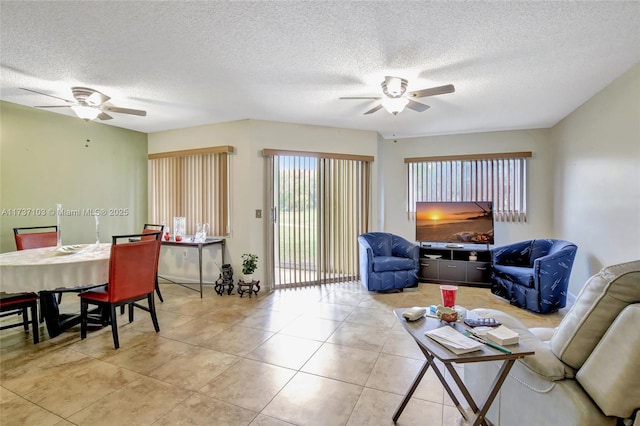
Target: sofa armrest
x: 545, y: 270
x: 543, y: 333
x: 403, y: 248
x: 567, y: 254
x: 366, y: 255
x: 544, y: 362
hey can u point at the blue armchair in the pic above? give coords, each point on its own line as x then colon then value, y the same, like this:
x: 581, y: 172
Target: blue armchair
x: 533, y: 274
x: 387, y: 262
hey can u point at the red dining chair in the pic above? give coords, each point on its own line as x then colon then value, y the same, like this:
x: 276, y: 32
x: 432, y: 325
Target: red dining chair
x: 35, y: 237
x: 132, y: 272
x: 19, y: 304
x: 150, y: 228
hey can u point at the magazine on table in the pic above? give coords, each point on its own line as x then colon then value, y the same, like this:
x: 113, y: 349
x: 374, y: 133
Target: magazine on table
x: 453, y: 340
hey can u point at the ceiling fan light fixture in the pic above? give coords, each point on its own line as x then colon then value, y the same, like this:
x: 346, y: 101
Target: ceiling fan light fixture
x: 394, y: 105
x: 85, y: 112
x: 394, y: 87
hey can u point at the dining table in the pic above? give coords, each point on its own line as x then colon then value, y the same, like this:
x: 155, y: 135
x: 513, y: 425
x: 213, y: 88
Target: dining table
x: 53, y: 269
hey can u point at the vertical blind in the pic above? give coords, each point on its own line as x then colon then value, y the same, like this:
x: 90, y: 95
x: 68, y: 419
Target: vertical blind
x: 321, y: 205
x: 500, y: 178
x: 191, y: 184
x: 344, y: 198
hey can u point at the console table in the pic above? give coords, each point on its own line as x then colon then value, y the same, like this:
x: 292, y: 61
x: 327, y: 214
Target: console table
x: 441, y: 263
x: 187, y: 241
x: 434, y: 351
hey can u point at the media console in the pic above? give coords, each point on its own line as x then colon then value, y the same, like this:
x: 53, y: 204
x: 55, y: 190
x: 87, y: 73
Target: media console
x: 442, y: 263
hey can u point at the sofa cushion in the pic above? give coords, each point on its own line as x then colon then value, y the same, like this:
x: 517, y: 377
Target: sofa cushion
x: 391, y: 263
x: 611, y: 375
x: 599, y: 302
x: 516, y: 274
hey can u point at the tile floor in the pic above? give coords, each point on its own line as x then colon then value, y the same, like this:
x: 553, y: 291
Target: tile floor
x: 323, y: 355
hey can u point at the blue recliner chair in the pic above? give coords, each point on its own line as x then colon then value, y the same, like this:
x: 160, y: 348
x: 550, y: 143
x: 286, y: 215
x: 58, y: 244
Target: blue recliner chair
x: 388, y: 262
x: 533, y: 274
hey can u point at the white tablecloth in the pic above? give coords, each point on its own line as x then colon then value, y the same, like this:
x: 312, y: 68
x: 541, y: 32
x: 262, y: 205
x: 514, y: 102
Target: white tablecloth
x: 48, y: 268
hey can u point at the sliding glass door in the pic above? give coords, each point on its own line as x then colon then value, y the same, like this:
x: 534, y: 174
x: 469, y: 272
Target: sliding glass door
x: 320, y: 206
x: 295, y: 214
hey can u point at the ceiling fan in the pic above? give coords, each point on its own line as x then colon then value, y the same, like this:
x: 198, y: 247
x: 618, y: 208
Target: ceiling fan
x: 89, y: 104
x: 397, y: 98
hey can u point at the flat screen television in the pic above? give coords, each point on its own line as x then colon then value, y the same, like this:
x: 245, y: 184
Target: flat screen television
x: 454, y: 222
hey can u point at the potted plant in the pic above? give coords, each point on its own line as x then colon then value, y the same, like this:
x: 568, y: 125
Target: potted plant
x: 249, y: 266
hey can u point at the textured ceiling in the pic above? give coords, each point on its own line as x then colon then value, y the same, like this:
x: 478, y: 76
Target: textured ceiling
x: 515, y: 65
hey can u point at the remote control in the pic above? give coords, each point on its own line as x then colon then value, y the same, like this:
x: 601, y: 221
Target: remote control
x: 482, y: 322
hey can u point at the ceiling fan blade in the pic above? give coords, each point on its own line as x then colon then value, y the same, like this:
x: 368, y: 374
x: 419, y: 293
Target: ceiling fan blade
x: 45, y: 94
x: 361, y: 97
x: 52, y: 106
x: 374, y: 109
x: 104, y: 116
x: 124, y: 110
x: 440, y: 90
x: 417, y: 106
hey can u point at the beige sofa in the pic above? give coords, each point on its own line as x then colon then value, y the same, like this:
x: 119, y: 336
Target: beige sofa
x: 584, y: 372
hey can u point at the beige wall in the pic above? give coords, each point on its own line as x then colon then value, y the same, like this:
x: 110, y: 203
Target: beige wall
x: 540, y: 175
x: 44, y: 161
x: 248, y: 186
x: 584, y: 176
x: 597, y: 178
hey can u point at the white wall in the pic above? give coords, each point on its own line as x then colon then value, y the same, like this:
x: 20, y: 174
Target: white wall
x: 597, y: 178
x: 248, y: 186
x: 540, y: 175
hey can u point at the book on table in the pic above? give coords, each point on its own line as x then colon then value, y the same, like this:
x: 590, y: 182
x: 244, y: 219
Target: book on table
x: 453, y: 340
x: 503, y: 336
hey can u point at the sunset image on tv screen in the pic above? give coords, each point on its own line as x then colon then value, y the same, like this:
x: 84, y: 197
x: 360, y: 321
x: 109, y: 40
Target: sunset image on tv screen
x: 460, y: 222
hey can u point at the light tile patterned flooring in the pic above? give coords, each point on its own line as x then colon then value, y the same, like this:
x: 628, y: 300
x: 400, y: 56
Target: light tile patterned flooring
x: 322, y: 355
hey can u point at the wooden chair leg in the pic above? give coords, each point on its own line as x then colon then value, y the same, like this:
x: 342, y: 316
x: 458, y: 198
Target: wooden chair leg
x: 114, y: 327
x: 152, y: 311
x: 34, y: 323
x: 25, y: 319
x: 158, y: 290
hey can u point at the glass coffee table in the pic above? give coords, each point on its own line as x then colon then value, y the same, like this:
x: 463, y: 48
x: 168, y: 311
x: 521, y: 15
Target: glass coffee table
x: 433, y: 350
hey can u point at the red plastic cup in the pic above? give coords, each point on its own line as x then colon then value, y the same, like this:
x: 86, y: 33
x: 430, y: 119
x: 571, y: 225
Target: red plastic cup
x: 448, y: 293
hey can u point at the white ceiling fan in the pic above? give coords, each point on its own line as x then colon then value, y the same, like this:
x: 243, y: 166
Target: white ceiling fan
x: 89, y: 104
x: 396, y: 97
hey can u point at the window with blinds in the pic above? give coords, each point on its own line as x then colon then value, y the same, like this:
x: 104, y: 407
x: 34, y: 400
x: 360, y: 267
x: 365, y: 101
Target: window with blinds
x: 500, y: 178
x: 193, y: 184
